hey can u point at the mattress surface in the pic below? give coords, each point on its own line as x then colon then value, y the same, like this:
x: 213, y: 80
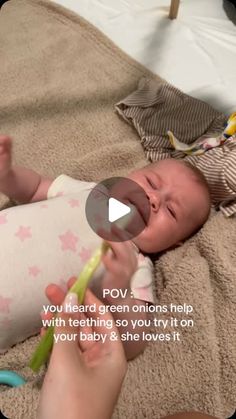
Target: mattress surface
x: 196, y: 52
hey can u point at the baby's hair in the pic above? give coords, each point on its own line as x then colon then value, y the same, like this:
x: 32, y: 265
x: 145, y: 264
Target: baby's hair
x: 200, y: 178
x: 199, y: 175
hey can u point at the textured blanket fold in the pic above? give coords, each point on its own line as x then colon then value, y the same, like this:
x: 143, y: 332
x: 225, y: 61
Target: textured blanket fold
x: 59, y: 81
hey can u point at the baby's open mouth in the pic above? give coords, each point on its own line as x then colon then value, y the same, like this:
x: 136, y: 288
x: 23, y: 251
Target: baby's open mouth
x: 134, y: 196
x: 139, y: 208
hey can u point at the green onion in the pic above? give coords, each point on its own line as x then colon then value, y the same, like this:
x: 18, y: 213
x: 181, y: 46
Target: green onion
x: 45, y: 345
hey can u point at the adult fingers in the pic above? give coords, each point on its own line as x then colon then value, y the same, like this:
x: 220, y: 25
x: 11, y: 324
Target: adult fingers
x: 103, y: 321
x: 71, y: 281
x: 55, y: 294
x: 85, y: 329
x: 66, y: 332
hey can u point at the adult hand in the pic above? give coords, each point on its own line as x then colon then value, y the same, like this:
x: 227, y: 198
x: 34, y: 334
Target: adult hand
x: 84, y: 377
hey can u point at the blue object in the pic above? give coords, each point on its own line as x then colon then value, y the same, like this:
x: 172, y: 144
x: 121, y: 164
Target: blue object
x: 11, y: 379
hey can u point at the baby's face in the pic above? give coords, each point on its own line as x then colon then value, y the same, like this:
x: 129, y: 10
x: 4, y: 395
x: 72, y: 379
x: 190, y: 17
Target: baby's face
x: 178, y: 204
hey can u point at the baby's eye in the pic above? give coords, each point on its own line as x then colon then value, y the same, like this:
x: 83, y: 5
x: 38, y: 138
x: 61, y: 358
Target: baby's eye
x: 151, y: 183
x: 172, y: 213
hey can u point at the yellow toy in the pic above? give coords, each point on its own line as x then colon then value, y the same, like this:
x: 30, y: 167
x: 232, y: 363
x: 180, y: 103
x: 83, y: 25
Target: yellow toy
x: 205, y: 143
x: 231, y: 126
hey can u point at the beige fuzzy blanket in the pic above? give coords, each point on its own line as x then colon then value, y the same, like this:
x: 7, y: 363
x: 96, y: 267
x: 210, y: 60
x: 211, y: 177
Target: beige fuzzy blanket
x: 59, y: 81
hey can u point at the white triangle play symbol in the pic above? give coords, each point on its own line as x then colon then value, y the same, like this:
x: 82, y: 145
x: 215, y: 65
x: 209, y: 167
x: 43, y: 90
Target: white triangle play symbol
x: 116, y: 210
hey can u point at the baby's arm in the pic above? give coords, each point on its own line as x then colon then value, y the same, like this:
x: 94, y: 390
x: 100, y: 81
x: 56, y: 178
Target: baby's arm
x: 18, y: 183
x: 121, y: 265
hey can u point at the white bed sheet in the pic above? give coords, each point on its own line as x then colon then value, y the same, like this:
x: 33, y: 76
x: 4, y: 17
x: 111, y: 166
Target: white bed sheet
x: 196, y: 52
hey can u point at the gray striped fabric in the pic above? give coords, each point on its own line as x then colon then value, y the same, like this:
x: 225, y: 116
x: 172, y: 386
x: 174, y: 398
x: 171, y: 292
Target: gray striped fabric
x: 156, y: 107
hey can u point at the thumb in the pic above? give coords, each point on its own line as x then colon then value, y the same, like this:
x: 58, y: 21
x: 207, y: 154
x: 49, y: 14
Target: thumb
x: 66, y: 330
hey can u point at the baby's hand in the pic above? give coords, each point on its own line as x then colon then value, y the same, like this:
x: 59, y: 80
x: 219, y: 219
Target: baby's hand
x: 120, y: 263
x: 5, y: 155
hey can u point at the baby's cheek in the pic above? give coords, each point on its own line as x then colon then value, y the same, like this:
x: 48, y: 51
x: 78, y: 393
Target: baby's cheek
x: 164, y: 238
x: 147, y: 242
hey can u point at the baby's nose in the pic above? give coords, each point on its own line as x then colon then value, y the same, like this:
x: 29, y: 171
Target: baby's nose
x: 155, y: 201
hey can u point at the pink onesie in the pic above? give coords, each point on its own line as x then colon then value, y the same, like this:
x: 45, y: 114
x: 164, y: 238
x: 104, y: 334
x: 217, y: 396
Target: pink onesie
x: 44, y: 242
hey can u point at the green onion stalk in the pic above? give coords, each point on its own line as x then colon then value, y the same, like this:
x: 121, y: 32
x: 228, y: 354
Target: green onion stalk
x: 42, y: 352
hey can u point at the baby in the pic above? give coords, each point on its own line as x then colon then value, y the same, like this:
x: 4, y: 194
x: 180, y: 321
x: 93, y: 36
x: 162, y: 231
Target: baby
x: 49, y: 238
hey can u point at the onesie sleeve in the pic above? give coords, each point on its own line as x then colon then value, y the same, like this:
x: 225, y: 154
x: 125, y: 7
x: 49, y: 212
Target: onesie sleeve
x: 142, y: 280
x: 65, y: 185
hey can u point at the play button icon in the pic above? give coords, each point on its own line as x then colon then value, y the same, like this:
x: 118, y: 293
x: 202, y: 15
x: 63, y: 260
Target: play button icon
x: 116, y: 210
x: 117, y: 203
